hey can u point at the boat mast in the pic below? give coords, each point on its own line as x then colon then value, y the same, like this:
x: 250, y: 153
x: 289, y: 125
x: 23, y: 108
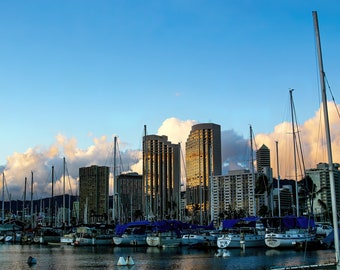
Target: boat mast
x: 146, y: 190
x: 328, y: 139
x: 201, y: 184
x: 64, y: 190
x: 294, y: 147
x: 252, y: 168
x: 32, y: 198
x: 114, y: 203
x: 24, y: 203
x: 278, y: 178
x: 52, y: 198
x: 3, y: 198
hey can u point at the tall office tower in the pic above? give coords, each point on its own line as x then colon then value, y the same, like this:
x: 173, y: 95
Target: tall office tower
x: 130, y: 197
x: 161, y: 172
x: 264, y: 197
x: 263, y: 158
x: 94, y: 194
x: 203, y: 160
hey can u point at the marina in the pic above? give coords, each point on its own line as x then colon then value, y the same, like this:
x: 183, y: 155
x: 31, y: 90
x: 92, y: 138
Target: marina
x: 241, y: 218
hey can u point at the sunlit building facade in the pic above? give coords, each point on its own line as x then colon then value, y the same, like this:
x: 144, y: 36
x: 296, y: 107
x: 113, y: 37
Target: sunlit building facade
x: 233, y: 194
x: 161, y: 178
x: 203, y: 160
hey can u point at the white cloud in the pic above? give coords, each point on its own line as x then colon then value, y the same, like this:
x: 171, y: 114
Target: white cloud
x: 40, y: 159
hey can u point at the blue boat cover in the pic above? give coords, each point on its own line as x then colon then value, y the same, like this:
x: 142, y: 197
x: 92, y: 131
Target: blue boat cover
x: 249, y: 221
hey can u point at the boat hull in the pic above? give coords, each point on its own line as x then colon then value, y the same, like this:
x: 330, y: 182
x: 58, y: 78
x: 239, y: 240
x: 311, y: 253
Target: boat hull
x: 241, y: 241
x: 198, y: 240
x: 163, y: 241
x: 287, y: 240
x: 130, y: 240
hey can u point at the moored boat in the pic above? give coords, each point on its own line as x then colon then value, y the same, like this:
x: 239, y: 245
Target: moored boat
x: 68, y: 238
x: 132, y: 234
x: 166, y: 233
x: 241, y: 233
x: 164, y: 239
x: 201, y: 239
x: 90, y: 236
x: 289, y: 231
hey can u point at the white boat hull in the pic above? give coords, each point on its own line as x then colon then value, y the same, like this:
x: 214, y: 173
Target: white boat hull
x: 163, y: 240
x: 241, y: 241
x: 130, y: 240
x: 199, y: 240
x: 286, y: 240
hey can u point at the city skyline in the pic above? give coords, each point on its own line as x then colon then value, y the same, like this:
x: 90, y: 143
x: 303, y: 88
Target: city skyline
x: 76, y: 75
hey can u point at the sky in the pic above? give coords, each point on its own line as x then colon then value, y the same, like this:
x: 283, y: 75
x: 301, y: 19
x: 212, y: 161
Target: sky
x: 76, y: 74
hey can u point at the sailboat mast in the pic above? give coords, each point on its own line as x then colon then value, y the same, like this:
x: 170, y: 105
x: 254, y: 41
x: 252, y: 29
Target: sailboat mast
x: 252, y: 167
x: 52, y: 199
x: 278, y: 178
x: 146, y: 187
x: 294, y: 147
x: 24, y: 203
x: 64, y: 165
x: 200, y: 178
x: 328, y: 139
x: 114, y: 206
x: 3, y: 198
x: 32, y: 198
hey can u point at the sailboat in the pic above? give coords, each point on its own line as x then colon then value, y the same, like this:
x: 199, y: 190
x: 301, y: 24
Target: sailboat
x: 243, y: 232
x: 291, y: 231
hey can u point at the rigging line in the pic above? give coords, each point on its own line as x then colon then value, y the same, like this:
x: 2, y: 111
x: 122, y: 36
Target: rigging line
x: 253, y: 135
x: 330, y: 90
x: 122, y: 169
x: 6, y: 187
x: 68, y: 178
x: 299, y: 145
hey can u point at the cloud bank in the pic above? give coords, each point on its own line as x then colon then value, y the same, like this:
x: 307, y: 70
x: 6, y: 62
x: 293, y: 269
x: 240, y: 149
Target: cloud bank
x: 235, y: 154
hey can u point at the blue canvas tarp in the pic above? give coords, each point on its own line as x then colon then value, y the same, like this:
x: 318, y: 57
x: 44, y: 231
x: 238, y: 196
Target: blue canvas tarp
x: 229, y: 223
x: 248, y: 221
x: 121, y: 228
x: 305, y: 222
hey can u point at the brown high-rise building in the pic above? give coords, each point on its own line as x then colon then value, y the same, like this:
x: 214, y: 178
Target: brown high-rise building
x: 94, y: 194
x: 130, y: 197
x: 203, y: 160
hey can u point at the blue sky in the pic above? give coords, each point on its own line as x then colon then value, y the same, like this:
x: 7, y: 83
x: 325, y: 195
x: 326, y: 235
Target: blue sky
x: 86, y: 69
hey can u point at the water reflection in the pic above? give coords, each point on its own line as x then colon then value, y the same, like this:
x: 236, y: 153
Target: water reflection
x: 67, y: 257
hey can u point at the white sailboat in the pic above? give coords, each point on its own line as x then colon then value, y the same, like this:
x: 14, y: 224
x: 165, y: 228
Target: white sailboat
x: 291, y: 231
x: 243, y: 232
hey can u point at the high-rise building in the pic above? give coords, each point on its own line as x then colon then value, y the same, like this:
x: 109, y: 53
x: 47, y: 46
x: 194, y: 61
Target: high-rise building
x: 130, y: 197
x: 322, y: 199
x: 162, y: 182
x: 262, y: 158
x: 203, y: 160
x: 286, y: 200
x: 233, y: 193
x: 264, y: 197
x: 94, y: 194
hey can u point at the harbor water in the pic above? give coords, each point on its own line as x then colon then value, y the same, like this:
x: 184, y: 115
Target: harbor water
x: 61, y: 257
